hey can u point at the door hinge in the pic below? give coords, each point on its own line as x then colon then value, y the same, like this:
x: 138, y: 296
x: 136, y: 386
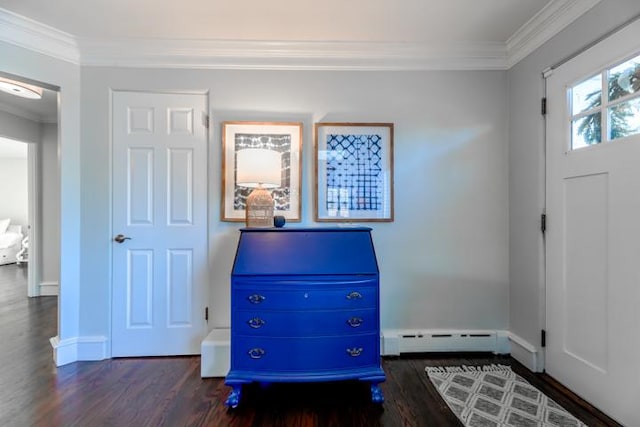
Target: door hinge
x: 543, y: 223
x: 543, y: 106
x: 543, y: 338
x: 205, y: 120
x: 206, y: 314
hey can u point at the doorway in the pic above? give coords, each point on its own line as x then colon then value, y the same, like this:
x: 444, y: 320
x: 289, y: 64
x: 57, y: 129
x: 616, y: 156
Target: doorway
x: 34, y: 122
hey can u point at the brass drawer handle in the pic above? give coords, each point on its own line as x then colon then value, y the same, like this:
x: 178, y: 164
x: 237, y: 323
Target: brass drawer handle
x: 256, y: 353
x: 256, y: 298
x: 355, y: 352
x: 355, y: 322
x: 354, y: 295
x: 256, y: 323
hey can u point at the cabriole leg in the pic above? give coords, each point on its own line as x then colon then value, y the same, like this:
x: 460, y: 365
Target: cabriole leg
x: 234, y: 397
x: 376, y: 394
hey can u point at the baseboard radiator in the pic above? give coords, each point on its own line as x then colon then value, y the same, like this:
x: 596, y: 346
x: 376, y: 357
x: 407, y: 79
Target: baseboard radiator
x: 397, y: 342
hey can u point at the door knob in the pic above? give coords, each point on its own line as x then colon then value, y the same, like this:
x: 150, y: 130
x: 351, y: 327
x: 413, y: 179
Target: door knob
x: 121, y: 238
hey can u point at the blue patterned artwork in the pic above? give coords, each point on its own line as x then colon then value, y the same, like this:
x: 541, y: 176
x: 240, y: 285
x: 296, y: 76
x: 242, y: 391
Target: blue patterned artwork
x: 275, y: 142
x: 354, y: 173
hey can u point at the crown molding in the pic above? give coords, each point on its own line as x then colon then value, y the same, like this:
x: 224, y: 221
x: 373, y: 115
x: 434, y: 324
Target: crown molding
x: 29, y: 34
x: 552, y: 19
x: 285, y: 55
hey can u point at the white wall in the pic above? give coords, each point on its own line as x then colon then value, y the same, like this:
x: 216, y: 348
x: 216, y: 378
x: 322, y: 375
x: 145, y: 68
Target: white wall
x: 444, y: 261
x: 14, y: 202
x: 526, y: 166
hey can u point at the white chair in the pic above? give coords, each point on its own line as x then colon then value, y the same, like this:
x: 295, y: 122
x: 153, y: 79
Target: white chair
x: 23, y: 255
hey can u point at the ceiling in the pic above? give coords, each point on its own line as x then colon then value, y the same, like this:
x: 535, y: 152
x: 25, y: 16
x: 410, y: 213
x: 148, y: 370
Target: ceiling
x: 288, y: 34
x: 281, y: 34
x: 414, y: 21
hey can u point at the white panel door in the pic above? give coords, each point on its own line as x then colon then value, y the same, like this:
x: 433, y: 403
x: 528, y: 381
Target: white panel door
x: 160, y: 211
x: 593, y: 248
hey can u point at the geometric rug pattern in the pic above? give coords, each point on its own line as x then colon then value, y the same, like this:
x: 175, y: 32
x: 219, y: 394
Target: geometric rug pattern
x: 495, y: 396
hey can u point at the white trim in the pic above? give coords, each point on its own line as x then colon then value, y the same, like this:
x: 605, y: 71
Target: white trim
x: 215, y: 353
x: 395, y: 342
x: 78, y: 349
x: 49, y: 289
x: 34, y: 210
x: 29, y: 34
x: 287, y: 55
x: 552, y: 19
x: 526, y: 353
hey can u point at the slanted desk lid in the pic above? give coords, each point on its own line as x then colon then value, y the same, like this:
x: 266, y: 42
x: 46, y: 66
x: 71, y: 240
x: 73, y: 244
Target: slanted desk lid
x: 305, y: 251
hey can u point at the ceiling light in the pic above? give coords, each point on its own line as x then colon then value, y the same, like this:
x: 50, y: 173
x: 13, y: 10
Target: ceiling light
x: 20, y: 89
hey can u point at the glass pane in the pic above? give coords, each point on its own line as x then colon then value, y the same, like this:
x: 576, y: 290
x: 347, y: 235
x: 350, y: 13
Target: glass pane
x: 624, y: 119
x: 624, y: 79
x: 586, y: 131
x: 586, y: 95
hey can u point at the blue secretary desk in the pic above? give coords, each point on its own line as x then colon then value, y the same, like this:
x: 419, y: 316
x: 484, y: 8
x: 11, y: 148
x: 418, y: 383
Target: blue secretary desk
x: 305, y: 308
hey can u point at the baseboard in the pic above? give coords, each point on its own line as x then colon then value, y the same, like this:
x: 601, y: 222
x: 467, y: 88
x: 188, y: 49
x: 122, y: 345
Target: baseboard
x: 526, y: 353
x: 396, y: 342
x: 79, y: 348
x: 49, y: 289
x: 215, y: 359
x: 216, y: 347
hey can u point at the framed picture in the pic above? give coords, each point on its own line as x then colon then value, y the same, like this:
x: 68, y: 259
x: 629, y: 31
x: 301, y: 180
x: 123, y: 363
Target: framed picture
x: 353, y: 172
x: 284, y: 138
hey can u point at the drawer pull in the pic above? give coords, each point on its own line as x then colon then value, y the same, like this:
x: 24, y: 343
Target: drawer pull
x: 256, y: 299
x: 354, y: 295
x: 256, y: 322
x: 256, y: 353
x: 354, y: 322
x: 354, y: 352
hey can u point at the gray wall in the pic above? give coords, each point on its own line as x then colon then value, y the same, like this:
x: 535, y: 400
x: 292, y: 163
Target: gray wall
x: 526, y: 162
x: 444, y: 261
x: 18, y: 128
x: 465, y: 250
x: 50, y: 203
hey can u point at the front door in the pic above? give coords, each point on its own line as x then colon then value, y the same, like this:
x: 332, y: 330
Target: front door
x: 159, y: 213
x: 593, y: 227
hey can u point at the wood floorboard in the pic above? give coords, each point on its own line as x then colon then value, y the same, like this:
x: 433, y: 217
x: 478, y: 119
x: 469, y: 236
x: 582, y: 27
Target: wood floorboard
x: 169, y: 391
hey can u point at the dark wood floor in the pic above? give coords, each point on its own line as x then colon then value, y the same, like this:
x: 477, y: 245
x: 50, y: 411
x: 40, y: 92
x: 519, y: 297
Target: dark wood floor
x: 169, y: 391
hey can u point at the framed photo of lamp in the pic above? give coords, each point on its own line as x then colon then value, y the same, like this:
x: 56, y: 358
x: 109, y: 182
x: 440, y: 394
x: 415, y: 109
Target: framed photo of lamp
x: 353, y: 172
x: 283, y: 138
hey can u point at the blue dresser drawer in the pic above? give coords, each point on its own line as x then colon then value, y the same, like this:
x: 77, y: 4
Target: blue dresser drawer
x: 304, y: 323
x: 303, y: 298
x: 298, y: 355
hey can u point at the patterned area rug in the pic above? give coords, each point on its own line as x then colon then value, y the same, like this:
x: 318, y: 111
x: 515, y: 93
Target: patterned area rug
x: 495, y: 396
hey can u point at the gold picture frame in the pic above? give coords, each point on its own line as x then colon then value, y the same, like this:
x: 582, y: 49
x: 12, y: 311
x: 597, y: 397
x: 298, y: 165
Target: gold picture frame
x: 284, y: 137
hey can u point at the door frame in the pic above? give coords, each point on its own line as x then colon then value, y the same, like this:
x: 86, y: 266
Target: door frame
x: 35, y: 219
